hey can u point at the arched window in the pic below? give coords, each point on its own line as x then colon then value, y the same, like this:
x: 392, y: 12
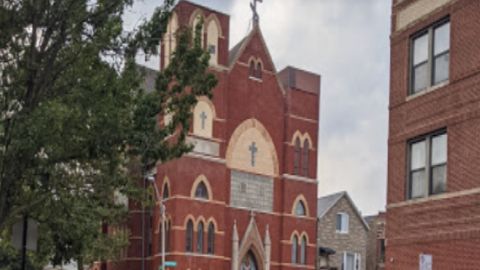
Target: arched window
x: 189, y: 237
x: 199, y: 20
x: 296, y: 157
x: 212, y: 41
x: 169, y: 39
x: 211, y: 239
x: 305, y: 152
x: 166, y: 192
x: 259, y: 70
x: 201, y: 191
x: 200, y: 237
x: 294, y: 249
x: 303, y: 251
x: 300, y: 209
x: 252, y: 68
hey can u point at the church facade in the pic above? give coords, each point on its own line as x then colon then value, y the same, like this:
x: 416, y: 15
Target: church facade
x: 245, y: 197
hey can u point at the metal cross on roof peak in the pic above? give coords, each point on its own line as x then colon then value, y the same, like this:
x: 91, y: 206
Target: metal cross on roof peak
x: 253, y: 6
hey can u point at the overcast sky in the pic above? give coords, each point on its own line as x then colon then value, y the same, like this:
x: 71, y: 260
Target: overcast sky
x: 347, y: 43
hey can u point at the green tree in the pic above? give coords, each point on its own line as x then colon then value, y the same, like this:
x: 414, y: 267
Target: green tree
x: 73, y: 118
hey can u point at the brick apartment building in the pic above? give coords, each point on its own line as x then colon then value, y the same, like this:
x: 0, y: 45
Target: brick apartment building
x: 245, y: 198
x: 433, y: 208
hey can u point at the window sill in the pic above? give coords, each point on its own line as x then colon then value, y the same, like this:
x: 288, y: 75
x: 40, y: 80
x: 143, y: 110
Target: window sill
x: 342, y: 233
x: 427, y: 90
x: 255, y: 79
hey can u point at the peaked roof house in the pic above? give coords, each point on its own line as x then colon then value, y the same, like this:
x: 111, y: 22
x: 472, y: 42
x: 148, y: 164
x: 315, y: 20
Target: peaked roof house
x: 341, y: 234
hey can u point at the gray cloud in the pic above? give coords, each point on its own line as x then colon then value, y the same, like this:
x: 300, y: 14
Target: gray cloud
x: 347, y: 42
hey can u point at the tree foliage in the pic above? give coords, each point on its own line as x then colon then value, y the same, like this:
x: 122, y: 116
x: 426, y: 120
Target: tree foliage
x: 73, y: 117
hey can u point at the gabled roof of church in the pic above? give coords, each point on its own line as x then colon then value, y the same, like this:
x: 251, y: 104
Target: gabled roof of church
x: 233, y: 54
x: 324, y: 204
x: 236, y: 52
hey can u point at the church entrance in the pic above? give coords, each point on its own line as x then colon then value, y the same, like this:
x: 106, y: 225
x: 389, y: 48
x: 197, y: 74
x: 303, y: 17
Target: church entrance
x: 249, y: 262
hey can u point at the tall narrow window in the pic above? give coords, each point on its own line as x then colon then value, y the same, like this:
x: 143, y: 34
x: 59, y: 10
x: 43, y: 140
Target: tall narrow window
x: 430, y: 57
x: 200, y: 237
x: 252, y: 68
x: 294, y: 249
x: 296, y: 157
x: 259, y: 70
x: 303, y: 251
x: 428, y: 165
x: 189, y: 237
x: 201, y: 192
x: 305, y: 154
x: 166, y: 192
x: 211, y: 239
x: 168, y: 227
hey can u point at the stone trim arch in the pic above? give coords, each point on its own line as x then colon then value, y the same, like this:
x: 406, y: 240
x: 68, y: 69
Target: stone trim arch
x: 201, y: 178
x: 166, y: 182
x: 302, y: 137
x: 201, y: 219
x: 301, y: 198
x: 213, y: 18
x: 215, y: 224
x: 304, y: 234
x: 245, y: 125
x: 294, y: 233
x: 209, y: 103
x: 187, y: 218
x: 194, y: 15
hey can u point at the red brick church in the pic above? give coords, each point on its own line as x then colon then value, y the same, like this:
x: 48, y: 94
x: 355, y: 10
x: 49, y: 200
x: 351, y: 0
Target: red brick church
x: 245, y: 197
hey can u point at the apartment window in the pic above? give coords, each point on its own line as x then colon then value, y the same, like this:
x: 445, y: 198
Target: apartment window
x: 428, y: 165
x: 351, y: 261
x: 430, y: 57
x: 342, y: 223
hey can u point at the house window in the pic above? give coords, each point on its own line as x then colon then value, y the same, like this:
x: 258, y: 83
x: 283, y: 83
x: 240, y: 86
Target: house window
x: 342, y: 223
x: 201, y: 191
x: 351, y: 261
x: 296, y: 157
x: 294, y: 249
x: 200, y: 237
x: 211, y: 239
x: 300, y: 209
x: 189, y: 237
x: 428, y: 165
x: 303, y: 251
x: 430, y: 57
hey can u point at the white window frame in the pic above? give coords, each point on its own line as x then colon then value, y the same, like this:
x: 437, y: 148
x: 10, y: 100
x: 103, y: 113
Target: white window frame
x: 357, y: 260
x: 345, y: 222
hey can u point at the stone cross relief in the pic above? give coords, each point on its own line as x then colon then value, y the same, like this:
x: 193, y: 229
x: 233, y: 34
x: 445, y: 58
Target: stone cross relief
x: 203, y: 117
x: 253, y: 151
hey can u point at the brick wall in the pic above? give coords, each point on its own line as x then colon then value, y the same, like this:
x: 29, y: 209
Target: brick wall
x: 446, y: 225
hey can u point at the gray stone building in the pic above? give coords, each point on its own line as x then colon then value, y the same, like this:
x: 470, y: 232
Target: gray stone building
x: 340, y: 228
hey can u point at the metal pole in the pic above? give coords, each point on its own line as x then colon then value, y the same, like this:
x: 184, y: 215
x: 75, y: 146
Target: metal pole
x: 163, y: 210
x: 24, y: 242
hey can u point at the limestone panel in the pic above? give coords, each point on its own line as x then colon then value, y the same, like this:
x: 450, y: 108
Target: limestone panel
x: 251, y: 191
x: 203, y: 146
x: 417, y: 10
